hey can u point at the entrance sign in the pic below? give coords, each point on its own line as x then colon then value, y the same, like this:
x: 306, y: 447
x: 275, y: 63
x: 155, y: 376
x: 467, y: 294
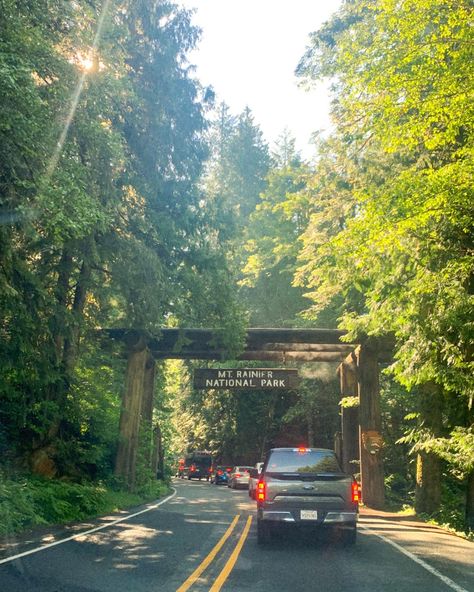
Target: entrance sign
x: 245, y: 378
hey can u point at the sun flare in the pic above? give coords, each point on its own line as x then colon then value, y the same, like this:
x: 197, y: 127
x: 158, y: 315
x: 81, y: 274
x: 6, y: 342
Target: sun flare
x: 85, y: 62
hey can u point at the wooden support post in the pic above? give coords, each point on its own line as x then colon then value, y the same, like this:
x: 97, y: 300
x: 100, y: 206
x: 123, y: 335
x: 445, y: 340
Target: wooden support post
x: 338, y: 446
x: 125, y: 462
x: 350, y: 439
x: 147, y: 407
x: 371, y: 464
x: 148, y: 388
x: 348, y: 376
x: 158, y: 456
x: 349, y: 415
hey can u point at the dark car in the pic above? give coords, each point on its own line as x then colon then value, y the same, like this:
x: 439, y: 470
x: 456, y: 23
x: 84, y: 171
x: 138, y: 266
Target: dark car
x: 198, y: 465
x: 305, y: 488
x: 221, y: 474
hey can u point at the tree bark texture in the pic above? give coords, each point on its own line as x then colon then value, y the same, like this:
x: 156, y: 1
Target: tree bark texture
x: 350, y: 439
x: 158, y: 456
x: 338, y: 446
x: 147, y: 409
x: 349, y: 415
x: 428, y: 465
x: 310, y: 429
x: 347, y: 372
x: 125, y: 463
x: 71, y: 344
x: 370, y: 441
x: 470, y: 501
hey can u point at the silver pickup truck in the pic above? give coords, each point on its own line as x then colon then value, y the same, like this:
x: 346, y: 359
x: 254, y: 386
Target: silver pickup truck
x: 306, y: 488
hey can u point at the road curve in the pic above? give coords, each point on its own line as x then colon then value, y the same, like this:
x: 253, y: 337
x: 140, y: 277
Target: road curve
x: 204, y: 538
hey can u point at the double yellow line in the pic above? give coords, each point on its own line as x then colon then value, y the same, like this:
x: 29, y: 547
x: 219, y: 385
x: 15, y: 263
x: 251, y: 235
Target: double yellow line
x: 230, y: 562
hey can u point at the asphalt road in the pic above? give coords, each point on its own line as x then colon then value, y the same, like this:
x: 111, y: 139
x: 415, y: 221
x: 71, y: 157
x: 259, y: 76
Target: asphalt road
x: 204, y: 538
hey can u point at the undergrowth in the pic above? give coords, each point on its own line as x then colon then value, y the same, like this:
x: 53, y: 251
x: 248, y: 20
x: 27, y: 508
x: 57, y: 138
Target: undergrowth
x: 27, y: 501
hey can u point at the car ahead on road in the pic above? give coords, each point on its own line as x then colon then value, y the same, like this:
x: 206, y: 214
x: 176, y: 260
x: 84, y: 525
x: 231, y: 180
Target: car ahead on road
x: 198, y: 465
x: 254, y: 475
x: 239, y: 477
x: 306, y: 488
x: 220, y: 474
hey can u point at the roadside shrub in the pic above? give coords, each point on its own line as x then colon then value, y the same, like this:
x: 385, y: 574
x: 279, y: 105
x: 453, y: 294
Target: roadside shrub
x: 27, y: 501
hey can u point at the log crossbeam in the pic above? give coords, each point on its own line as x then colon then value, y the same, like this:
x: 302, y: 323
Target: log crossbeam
x: 358, y: 373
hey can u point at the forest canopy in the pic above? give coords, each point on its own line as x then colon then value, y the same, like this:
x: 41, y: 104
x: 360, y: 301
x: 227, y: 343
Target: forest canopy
x: 131, y: 197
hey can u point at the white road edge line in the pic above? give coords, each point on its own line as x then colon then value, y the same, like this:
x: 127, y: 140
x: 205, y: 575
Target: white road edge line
x: 87, y: 532
x: 448, y: 581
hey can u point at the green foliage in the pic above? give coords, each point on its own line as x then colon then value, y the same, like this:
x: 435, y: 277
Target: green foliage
x: 102, y: 221
x: 451, y: 513
x: 348, y: 402
x: 457, y: 450
x: 272, y: 246
x: 397, y: 241
x: 27, y: 501
x: 388, y: 244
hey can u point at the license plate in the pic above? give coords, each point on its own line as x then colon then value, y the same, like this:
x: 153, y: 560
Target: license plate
x: 309, y: 515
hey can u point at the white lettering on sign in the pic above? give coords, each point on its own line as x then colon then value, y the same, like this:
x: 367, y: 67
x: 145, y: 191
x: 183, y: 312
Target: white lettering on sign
x: 253, y: 373
x: 245, y: 378
x: 230, y: 383
x: 273, y: 382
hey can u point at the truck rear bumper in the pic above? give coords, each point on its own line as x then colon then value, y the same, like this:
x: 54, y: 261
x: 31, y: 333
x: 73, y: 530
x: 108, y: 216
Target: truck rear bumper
x: 326, y: 517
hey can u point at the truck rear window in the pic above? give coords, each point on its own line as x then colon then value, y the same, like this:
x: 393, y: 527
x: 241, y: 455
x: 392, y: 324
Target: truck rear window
x: 310, y: 461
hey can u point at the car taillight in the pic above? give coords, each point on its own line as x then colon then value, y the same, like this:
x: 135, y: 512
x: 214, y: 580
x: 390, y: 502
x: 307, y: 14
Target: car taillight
x: 237, y: 475
x: 229, y: 469
x: 192, y: 469
x: 210, y: 470
x: 261, y: 491
x: 355, y: 492
x: 219, y: 472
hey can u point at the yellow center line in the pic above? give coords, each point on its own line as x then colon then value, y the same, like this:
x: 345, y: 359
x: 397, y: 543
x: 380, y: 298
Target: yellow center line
x: 225, y: 573
x: 200, y: 568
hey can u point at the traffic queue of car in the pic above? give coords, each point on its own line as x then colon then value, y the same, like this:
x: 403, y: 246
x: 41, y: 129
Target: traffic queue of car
x: 300, y: 488
x: 235, y: 477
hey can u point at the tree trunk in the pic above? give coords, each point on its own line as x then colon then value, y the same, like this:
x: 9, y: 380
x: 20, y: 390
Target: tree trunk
x: 470, y: 501
x: 147, y: 408
x: 428, y: 465
x: 338, y: 446
x: 62, y: 299
x: 125, y: 463
x: 350, y: 439
x: 67, y: 338
x: 268, y: 424
x: 347, y: 371
x: 310, y: 421
x: 371, y: 463
x: 71, y: 344
x: 349, y: 415
x: 158, y: 456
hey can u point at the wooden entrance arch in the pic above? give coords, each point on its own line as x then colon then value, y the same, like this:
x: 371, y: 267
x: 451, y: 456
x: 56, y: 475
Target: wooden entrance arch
x: 358, y: 372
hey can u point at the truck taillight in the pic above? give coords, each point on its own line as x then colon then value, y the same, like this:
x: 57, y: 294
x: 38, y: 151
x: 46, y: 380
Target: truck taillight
x: 261, y: 491
x: 355, y: 492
